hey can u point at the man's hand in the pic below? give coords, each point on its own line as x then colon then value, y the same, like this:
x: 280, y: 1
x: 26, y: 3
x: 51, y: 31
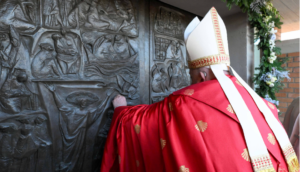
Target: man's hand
x: 119, y: 101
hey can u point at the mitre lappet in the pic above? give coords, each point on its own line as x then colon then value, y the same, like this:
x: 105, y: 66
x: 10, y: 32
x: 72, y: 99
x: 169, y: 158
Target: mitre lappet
x: 207, y: 46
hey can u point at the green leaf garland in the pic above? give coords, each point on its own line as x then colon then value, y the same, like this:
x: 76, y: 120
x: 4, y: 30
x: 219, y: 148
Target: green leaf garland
x: 264, y: 18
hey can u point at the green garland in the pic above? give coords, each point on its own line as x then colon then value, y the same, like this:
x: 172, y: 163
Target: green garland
x: 264, y: 17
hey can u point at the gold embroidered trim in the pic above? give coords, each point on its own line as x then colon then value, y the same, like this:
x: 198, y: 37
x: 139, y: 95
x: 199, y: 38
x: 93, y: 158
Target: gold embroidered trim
x: 188, y: 92
x: 183, y: 169
x: 291, y: 159
x: 293, y: 164
x: 262, y: 164
x: 201, y: 126
x: 163, y: 143
x: 137, y: 128
x: 209, y: 60
x: 215, y: 21
x: 271, y: 105
x: 171, y: 106
x: 288, y: 152
x: 245, y: 155
x: 271, y: 139
x: 230, y: 109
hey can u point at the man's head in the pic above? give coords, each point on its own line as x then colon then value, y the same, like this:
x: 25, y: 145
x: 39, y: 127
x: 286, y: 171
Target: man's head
x: 82, y: 99
x: 56, y: 37
x: 202, y: 74
x: 83, y: 103
x: 46, y: 46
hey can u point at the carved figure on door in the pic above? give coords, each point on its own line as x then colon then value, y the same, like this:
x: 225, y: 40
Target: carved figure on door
x: 113, y: 47
x: 9, y: 46
x: 178, y: 77
x: 6, y: 145
x: 92, y: 14
x: 160, y: 81
x: 44, y: 64
x: 67, y: 55
x: 175, y: 75
x: 126, y: 11
x: 168, y: 22
x: 174, y: 51
x: 19, y: 14
x: 40, y: 131
x: 68, y: 6
x: 75, y: 119
x: 86, y: 14
x: 51, y: 13
x: 26, y: 146
x: 13, y: 91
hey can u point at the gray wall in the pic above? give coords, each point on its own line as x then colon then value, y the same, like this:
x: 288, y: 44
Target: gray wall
x: 240, y: 40
x: 289, y: 46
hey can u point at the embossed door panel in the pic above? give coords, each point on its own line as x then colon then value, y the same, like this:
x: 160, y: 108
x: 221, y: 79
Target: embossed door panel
x: 168, y: 58
x: 61, y: 64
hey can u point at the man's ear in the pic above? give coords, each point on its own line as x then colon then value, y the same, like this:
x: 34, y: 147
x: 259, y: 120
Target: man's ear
x: 202, y: 75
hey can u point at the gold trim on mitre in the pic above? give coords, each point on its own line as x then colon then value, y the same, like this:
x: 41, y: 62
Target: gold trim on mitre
x: 210, y: 60
x: 216, y: 25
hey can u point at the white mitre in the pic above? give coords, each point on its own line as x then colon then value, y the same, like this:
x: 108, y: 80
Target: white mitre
x: 207, y: 46
x: 206, y: 41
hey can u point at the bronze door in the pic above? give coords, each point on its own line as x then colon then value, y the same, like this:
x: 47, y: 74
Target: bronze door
x: 61, y: 64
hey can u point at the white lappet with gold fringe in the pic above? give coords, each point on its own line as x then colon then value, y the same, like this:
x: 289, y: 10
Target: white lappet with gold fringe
x: 207, y: 46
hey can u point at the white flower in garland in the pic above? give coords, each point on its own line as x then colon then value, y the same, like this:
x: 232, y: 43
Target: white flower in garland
x: 271, y: 24
x: 273, y: 31
x: 271, y: 44
x: 269, y: 78
x: 267, y: 18
x: 272, y: 57
x: 273, y: 79
x: 270, y: 84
